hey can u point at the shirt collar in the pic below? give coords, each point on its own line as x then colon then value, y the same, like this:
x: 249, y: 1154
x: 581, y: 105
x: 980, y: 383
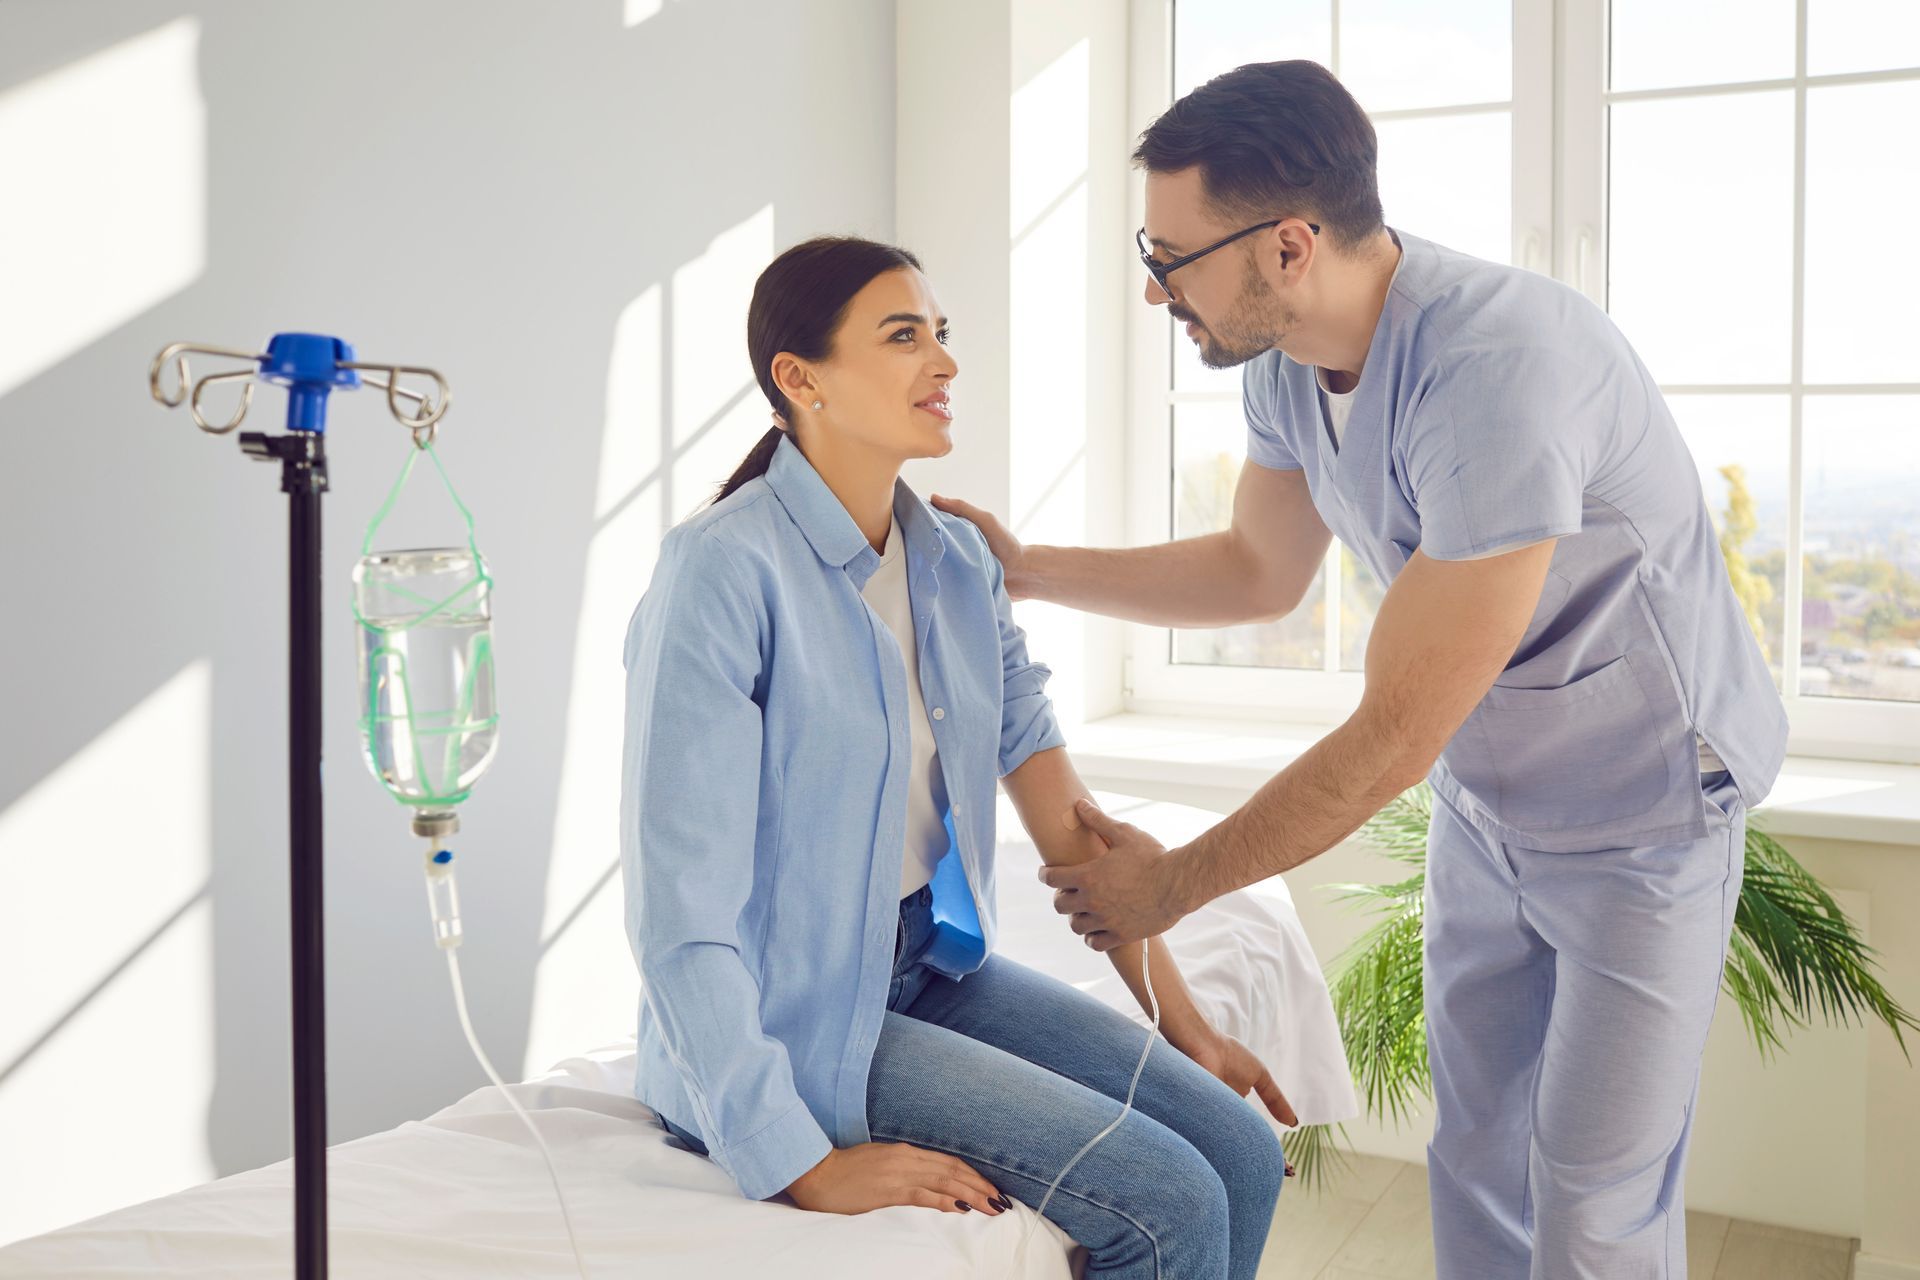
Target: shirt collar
x: 822, y: 518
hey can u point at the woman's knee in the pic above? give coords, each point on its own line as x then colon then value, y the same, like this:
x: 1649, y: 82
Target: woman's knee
x: 1242, y: 1146
x: 1255, y: 1166
x: 1177, y: 1212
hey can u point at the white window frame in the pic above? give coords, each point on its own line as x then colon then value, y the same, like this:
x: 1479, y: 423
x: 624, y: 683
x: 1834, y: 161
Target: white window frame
x: 1559, y: 227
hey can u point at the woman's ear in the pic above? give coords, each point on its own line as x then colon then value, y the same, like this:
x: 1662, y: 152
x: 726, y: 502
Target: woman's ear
x: 794, y: 379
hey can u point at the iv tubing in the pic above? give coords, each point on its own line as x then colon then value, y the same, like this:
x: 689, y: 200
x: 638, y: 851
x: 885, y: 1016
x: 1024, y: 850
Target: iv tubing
x: 446, y: 928
x: 1146, y: 947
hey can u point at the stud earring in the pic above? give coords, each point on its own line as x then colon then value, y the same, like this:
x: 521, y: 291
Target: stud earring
x: 816, y: 404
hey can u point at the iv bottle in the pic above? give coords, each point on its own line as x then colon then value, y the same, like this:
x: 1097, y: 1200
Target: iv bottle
x: 428, y: 721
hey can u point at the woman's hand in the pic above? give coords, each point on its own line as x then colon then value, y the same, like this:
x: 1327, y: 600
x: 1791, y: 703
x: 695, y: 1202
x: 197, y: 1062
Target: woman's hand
x: 1234, y: 1064
x: 874, y: 1175
x: 1006, y: 548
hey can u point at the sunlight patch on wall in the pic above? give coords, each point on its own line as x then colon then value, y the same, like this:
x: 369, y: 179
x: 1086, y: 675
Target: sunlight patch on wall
x: 106, y: 1056
x: 105, y: 162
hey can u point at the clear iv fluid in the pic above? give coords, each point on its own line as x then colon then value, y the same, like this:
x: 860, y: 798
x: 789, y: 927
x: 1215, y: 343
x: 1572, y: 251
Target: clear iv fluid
x: 428, y: 722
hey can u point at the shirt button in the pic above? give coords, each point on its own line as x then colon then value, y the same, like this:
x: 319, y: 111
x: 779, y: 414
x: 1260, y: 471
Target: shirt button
x: 939, y: 713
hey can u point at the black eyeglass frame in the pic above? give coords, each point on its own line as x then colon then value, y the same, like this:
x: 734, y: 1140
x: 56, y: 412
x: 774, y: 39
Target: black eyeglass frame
x: 1161, y: 270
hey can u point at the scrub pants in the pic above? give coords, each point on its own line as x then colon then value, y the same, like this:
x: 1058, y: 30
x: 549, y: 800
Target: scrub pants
x: 1012, y: 1071
x: 1568, y: 997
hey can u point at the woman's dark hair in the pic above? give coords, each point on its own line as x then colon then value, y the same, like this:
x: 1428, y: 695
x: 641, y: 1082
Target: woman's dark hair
x: 1275, y: 138
x: 798, y: 304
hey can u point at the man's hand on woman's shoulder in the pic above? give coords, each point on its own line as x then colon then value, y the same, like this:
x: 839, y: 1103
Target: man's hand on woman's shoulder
x: 1007, y: 549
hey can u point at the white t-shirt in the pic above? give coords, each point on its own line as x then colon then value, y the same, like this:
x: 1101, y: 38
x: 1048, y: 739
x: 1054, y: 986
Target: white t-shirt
x: 926, y: 841
x: 1340, y: 407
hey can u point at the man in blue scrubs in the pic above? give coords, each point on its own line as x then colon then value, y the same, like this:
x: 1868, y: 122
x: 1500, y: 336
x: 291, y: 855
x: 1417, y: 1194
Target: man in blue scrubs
x: 1559, y: 652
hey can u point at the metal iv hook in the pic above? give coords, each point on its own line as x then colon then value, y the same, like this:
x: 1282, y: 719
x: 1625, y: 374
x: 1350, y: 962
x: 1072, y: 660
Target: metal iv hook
x: 423, y: 422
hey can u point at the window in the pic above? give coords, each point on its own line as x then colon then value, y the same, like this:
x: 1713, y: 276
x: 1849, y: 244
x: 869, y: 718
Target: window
x: 1758, y: 169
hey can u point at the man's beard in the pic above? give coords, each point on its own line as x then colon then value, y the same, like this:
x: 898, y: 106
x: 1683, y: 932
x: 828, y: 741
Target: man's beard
x: 1255, y: 323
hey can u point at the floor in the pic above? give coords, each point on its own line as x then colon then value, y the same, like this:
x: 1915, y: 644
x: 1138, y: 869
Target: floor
x: 1372, y: 1224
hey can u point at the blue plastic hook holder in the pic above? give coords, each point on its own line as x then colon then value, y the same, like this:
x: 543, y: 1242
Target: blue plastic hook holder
x: 309, y: 366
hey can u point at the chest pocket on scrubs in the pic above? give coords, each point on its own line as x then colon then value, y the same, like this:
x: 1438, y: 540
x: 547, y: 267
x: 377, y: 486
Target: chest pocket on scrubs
x: 1582, y: 754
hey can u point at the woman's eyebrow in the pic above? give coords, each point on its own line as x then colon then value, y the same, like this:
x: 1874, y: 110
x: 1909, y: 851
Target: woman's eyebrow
x: 908, y: 318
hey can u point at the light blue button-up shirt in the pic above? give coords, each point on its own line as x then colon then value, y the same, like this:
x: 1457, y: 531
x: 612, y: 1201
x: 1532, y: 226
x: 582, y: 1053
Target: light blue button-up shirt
x: 1496, y: 408
x: 764, y: 803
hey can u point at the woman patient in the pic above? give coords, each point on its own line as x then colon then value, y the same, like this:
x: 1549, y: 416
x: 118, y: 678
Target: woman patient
x: 824, y: 682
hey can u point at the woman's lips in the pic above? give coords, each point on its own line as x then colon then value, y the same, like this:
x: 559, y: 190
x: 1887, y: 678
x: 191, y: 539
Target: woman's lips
x: 938, y: 408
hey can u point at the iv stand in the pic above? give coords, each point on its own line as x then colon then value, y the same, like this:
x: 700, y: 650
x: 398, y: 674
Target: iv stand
x: 310, y: 366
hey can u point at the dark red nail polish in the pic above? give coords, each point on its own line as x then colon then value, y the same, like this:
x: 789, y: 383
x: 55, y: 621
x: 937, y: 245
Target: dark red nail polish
x: 963, y: 1206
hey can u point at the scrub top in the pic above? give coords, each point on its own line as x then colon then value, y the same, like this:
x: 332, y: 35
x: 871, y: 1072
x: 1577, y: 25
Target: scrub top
x: 1498, y: 407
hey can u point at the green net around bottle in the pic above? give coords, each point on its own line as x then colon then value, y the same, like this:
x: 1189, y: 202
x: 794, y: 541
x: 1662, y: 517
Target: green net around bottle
x: 429, y: 723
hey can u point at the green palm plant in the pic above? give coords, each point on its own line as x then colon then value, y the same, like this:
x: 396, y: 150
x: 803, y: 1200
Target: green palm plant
x: 1793, y: 951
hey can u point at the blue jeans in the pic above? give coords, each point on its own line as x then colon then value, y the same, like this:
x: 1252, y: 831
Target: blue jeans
x: 1012, y: 1071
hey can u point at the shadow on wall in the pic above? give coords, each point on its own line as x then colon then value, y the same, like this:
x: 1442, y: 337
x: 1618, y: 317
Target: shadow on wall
x: 562, y: 207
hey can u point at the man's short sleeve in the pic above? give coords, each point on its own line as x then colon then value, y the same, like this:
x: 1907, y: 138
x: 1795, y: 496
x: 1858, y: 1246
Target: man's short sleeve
x: 1498, y: 451
x: 1259, y: 401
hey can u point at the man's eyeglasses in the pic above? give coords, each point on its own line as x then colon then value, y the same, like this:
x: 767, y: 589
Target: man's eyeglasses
x: 1161, y: 270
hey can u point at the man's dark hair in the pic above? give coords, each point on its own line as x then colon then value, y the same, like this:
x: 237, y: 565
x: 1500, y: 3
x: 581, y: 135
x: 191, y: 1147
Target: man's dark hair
x: 1275, y: 139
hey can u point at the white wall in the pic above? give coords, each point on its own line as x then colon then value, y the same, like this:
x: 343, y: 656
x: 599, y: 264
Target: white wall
x: 561, y: 206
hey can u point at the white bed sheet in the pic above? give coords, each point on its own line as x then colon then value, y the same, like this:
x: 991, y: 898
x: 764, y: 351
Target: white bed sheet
x: 464, y: 1193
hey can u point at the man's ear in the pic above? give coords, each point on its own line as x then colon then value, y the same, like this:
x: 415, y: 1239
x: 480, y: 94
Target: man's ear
x: 1297, y: 244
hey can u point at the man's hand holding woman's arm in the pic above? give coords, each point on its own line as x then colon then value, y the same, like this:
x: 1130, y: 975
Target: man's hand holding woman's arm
x: 1044, y: 790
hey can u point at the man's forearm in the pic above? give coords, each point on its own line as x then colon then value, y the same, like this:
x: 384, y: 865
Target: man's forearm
x: 1195, y: 582
x: 1314, y: 803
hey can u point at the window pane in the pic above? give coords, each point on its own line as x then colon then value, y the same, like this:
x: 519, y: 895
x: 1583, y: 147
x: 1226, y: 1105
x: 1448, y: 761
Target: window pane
x: 1209, y: 445
x: 1360, y: 595
x: 1212, y: 36
x: 1860, y: 622
x: 1700, y: 260
x: 1415, y: 53
x: 1861, y: 183
x: 1749, y: 508
x: 1450, y: 179
x: 1660, y: 44
x: 1862, y: 35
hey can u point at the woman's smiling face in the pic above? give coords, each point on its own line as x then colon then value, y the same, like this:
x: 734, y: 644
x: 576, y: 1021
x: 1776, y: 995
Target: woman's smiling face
x: 886, y: 383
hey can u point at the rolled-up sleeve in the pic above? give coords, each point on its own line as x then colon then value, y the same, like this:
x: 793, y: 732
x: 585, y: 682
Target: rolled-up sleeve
x: 690, y: 787
x: 1027, y: 722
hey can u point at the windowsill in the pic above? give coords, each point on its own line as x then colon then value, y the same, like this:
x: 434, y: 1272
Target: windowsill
x: 1826, y: 799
